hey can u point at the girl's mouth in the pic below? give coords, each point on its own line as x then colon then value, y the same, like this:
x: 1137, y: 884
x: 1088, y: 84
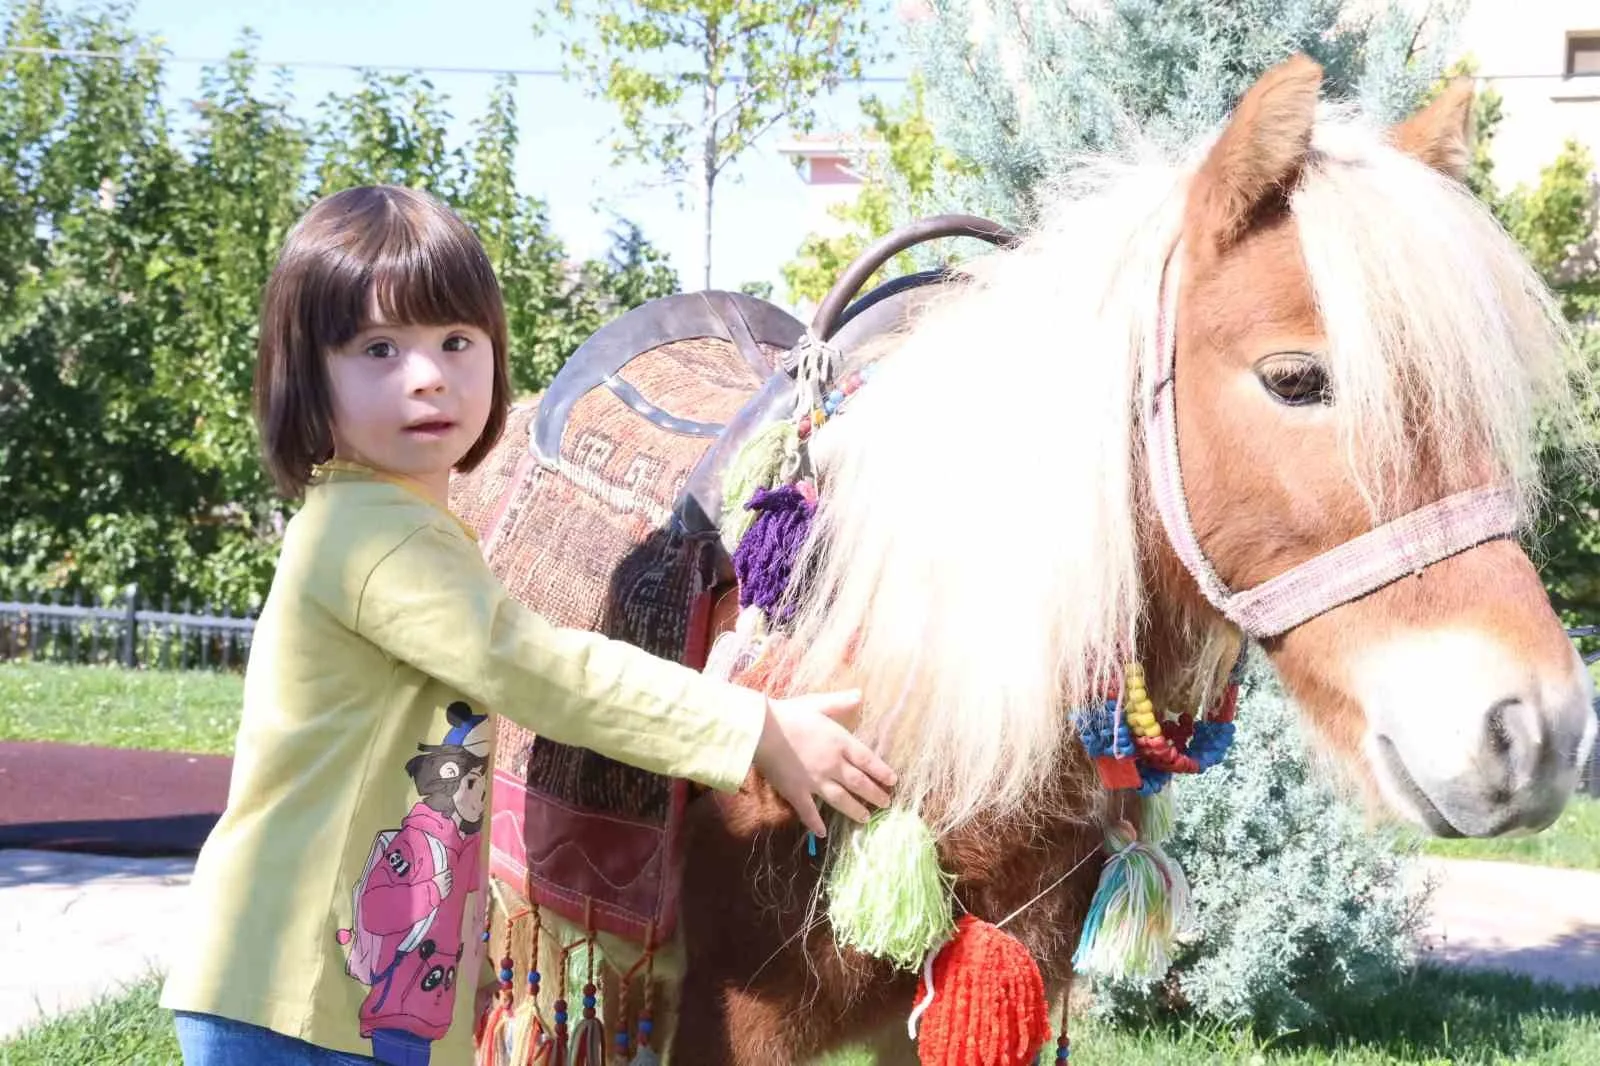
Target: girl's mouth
x: 430, y: 429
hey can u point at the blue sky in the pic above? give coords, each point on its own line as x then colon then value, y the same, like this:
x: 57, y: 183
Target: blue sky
x: 759, y: 218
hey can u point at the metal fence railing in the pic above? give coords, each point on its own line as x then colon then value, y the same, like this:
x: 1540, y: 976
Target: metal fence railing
x: 133, y: 632
x: 129, y: 631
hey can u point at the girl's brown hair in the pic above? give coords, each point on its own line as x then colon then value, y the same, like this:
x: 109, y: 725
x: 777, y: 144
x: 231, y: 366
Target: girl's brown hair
x: 405, y: 249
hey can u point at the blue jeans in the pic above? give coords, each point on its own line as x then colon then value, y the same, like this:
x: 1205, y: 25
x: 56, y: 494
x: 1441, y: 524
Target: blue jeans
x: 209, y: 1040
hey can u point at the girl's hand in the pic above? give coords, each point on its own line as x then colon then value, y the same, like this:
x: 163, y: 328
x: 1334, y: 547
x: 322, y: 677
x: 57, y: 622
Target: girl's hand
x: 443, y: 879
x: 805, y: 751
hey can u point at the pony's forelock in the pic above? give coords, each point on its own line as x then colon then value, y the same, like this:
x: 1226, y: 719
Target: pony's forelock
x: 1474, y: 349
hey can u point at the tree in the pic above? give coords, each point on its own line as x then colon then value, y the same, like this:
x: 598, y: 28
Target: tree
x: 133, y: 253
x: 696, y: 82
x: 1296, y: 903
x: 1017, y: 90
x: 900, y: 161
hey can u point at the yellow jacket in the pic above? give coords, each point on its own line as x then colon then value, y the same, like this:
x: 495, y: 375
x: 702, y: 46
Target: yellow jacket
x: 343, y: 892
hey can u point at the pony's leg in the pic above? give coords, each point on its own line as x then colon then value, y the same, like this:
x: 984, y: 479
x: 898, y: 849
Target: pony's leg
x: 731, y: 1027
x: 702, y: 1037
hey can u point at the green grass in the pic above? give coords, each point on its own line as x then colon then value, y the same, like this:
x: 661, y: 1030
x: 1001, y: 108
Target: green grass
x: 1440, y: 1018
x: 191, y: 710
x: 1573, y: 841
x: 123, y: 1030
x: 199, y: 711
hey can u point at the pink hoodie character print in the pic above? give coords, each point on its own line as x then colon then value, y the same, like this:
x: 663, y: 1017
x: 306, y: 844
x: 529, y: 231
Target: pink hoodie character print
x: 409, y: 940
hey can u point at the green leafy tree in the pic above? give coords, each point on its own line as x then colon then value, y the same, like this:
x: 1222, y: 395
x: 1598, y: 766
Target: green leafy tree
x: 133, y: 252
x: 391, y: 131
x: 89, y: 451
x: 1556, y: 221
x: 901, y: 162
x: 696, y: 82
x: 1017, y: 90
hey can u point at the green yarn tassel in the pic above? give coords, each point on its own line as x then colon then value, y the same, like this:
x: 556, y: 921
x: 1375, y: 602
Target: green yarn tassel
x: 887, y: 895
x: 1138, y: 910
x: 1157, y: 817
x: 760, y: 464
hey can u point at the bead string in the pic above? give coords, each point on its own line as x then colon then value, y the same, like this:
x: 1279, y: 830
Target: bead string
x: 1158, y: 747
x: 833, y: 403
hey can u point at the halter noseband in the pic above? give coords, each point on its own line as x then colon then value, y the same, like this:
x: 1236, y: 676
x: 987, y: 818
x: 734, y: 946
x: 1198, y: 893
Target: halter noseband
x: 1407, y: 545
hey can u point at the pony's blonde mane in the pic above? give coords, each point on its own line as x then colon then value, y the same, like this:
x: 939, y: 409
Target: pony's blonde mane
x: 1473, y: 343
x: 976, y: 555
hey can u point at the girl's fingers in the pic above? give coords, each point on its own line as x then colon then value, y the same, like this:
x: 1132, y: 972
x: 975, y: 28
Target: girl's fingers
x: 843, y: 707
x: 862, y: 786
x: 841, y: 801
x: 868, y: 760
x: 806, y: 808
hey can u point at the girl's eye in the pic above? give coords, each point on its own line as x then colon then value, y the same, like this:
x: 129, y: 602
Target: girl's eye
x: 382, y: 350
x: 1296, y: 380
x: 457, y: 343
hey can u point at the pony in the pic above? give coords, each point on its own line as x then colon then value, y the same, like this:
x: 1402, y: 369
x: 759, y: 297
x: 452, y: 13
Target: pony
x: 1300, y: 360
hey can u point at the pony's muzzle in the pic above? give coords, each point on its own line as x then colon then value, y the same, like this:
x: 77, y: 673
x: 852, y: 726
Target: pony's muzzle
x: 1469, y: 740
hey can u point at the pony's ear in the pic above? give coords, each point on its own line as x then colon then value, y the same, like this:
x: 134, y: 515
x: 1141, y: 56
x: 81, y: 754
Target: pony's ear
x: 1258, y: 155
x: 1441, y: 134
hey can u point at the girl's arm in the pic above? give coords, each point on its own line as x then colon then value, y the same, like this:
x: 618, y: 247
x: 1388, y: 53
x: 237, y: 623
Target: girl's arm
x: 403, y: 888
x: 433, y: 603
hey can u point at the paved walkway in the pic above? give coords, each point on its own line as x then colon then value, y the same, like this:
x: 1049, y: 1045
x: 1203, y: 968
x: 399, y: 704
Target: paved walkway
x: 1535, y: 920
x: 78, y: 926
x: 75, y: 927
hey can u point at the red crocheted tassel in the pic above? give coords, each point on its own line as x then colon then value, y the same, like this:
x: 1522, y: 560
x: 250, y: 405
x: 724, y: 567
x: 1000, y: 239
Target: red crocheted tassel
x: 1118, y: 773
x: 988, y: 1005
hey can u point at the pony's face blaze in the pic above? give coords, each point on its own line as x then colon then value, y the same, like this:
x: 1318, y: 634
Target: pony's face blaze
x: 1455, y: 692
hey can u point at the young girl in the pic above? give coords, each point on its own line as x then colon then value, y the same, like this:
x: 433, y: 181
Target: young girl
x: 336, y: 901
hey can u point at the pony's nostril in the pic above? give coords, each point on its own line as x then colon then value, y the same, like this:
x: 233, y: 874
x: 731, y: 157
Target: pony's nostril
x: 1496, y: 731
x: 1514, y: 736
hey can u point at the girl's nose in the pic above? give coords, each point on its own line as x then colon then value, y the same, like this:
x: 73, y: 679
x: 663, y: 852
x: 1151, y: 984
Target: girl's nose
x: 425, y: 374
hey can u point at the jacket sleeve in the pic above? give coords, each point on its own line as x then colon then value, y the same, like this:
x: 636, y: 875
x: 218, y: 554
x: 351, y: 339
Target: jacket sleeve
x: 431, y: 602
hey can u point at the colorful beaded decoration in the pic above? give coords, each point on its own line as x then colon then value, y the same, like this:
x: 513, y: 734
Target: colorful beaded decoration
x: 833, y: 403
x: 1135, y: 748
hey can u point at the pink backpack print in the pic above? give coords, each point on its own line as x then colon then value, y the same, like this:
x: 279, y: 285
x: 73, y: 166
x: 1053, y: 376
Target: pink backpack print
x: 368, y: 963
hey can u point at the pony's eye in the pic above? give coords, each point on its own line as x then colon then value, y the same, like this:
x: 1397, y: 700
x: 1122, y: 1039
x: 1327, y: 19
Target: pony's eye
x: 1296, y: 380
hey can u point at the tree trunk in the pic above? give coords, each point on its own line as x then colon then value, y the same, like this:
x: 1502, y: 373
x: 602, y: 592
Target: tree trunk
x: 709, y: 179
x: 708, y: 152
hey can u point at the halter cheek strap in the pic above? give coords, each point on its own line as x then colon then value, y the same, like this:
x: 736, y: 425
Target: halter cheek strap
x: 1407, y: 545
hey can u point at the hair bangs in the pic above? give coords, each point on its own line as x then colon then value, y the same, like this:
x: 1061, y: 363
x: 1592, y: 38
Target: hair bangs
x: 409, y: 263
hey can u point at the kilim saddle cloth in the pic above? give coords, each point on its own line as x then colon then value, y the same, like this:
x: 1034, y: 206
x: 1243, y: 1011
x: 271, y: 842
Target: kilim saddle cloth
x: 599, y: 511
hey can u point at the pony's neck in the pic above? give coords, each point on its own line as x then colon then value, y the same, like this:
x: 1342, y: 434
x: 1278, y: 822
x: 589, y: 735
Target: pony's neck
x: 1186, y: 647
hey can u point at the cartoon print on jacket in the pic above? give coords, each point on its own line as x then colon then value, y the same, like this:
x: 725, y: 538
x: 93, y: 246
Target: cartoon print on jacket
x: 407, y: 940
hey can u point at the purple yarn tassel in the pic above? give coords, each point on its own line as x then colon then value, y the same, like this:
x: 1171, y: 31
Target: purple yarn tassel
x: 764, y: 561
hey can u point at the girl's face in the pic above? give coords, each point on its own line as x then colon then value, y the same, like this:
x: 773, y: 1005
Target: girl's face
x: 411, y: 400
x: 469, y: 797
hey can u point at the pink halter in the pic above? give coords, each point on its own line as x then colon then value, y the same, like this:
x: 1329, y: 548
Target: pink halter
x: 1407, y: 545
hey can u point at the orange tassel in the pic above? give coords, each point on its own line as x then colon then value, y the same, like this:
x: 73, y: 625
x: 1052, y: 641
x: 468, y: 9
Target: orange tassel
x: 988, y: 1006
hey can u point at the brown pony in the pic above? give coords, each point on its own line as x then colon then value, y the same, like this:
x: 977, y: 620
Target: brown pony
x: 1342, y: 340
